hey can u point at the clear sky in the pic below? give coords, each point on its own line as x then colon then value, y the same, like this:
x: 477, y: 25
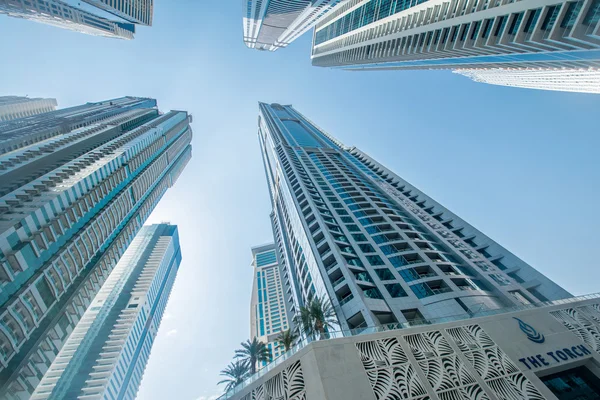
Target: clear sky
x: 521, y: 165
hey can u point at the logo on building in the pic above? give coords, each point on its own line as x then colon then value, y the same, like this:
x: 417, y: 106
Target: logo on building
x: 530, y: 331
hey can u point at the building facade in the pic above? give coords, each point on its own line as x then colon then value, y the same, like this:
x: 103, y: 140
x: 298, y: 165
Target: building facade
x: 94, y: 17
x: 271, y: 25
x: 459, y: 34
x: 548, y: 352
x: 25, y: 131
x: 13, y: 107
x: 269, y: 306
x: 569, y: 80
x: 379, y: 249
x: 69, y: 220
x: 106, y: 354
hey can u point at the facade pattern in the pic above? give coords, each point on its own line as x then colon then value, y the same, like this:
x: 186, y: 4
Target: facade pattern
x: 475, y: 359
x: 271, y: 25
x: 381, y: 250
x: 13, y: 107
x: 288, y: 384
x: 107, y: 352
x: 460, y: 34
x: 63, y: 231
x: 584, y: 322
x: 269, y: 307
x: 110, y: 18
x: 564, y: 80
x: 449, y: 372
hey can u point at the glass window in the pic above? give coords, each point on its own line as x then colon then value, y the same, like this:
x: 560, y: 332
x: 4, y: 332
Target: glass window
x: 421, y: 290
x: 353, y: 228
x: 366, y: 248
x: 395, y: 290
x: 359, y: 237
x: 45, y: 292
x: 573, y: 384
x: 385, y: 274
x: 375, y: 260
x: 373, y: 293
x: 266, y: 258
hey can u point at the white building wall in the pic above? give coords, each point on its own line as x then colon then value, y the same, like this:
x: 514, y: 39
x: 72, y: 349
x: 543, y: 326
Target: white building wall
x: 504, y: 356
x: 564, y: 80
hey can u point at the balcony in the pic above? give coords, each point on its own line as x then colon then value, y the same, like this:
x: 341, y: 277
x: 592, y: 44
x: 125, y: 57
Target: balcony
x: 346, y: 299
x: 441, y: 290
x: 338, y: 281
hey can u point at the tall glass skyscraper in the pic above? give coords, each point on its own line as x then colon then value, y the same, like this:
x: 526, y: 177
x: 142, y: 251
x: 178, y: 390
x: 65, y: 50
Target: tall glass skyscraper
x: 95, y: 17
x: 270, y: 303
x: 105, y: 356
x: 460, y: 34
x: 69, y: 207
x: 380, y: 249
x: 14, y: 107
x: 271, y: 25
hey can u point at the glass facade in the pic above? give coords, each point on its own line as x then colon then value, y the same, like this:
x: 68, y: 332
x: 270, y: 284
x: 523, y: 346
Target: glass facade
x: 77, y: 195
x: 574, y: 384
x: 351, y: 230
x: 369, y: 12
x: 125, y: 317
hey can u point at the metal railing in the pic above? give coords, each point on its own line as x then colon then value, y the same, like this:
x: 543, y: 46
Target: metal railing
x: 304, y: 341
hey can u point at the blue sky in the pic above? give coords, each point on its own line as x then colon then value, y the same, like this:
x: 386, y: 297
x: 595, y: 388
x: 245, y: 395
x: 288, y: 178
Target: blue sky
x: 521, y: 165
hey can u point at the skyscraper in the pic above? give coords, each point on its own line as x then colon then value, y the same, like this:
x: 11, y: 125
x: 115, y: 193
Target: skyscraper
x: 271, y: 25
x: 463, y: 34
x: 13, y: 107
x: 270, y: 304
x: 106, y: 354
x: 71, y: 207
x: 379, y: 248
x: 564, y: 80
x: 94, y: 17
x: 22, y: 132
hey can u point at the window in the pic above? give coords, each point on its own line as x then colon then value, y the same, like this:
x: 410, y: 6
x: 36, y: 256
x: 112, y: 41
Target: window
x: 366, y: 248
x: 266, y: 258
x: 421, y: 290
x: 375, y: 260
x: 398, y: 261
x: 385, y: 274
x: 359, y: 237
x: 576, y: 383
x: 353, y: 228
x: 372, y: 293
x: 571, y: 15
x: 395, y: 290
x: 45, y: 292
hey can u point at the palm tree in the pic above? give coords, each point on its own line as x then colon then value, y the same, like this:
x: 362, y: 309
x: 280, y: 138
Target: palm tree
x: 235, y: 372
x: 286, y: 339
x: 316, y: 317
x: 253, y: 352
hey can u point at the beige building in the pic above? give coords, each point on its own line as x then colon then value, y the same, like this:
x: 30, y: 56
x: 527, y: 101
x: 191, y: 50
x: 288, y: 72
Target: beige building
x: 269, y: 306
x: 546, y: 352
